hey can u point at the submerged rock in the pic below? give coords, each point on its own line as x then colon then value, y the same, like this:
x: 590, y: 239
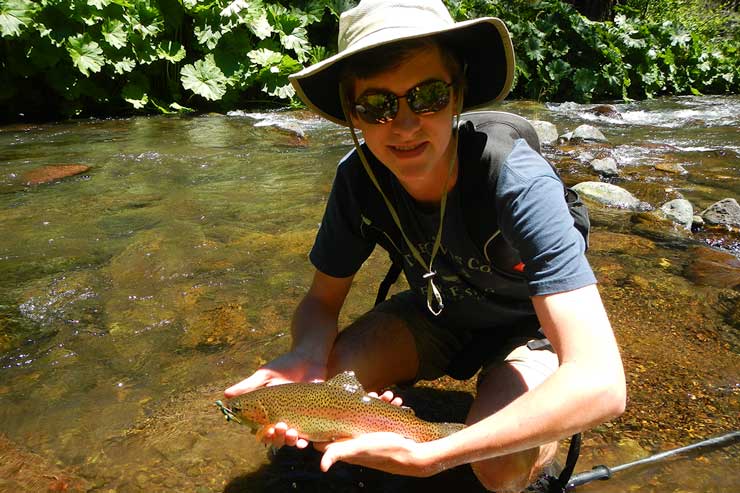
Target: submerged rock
x: 22, y: 470
x: 54, y: 172
x: 605, y: 167
x: 709, y: 267
x: 546, y: 131
x: 607, y: 111
x: 670, y: 167
x: 287, y: 128
x: 588, y: 132
x: 610, y: 195
x: 726, y: 212
x: 679, y: 211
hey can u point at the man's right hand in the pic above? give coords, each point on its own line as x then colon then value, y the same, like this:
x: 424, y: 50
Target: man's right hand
x: 288, y: 368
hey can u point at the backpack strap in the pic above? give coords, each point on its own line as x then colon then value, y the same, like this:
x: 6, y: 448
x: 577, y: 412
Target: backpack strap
x: 494, y: 135
x: 489, y: 138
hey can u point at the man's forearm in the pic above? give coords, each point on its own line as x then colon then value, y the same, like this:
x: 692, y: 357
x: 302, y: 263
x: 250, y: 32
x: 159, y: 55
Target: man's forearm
x: 313, y: 329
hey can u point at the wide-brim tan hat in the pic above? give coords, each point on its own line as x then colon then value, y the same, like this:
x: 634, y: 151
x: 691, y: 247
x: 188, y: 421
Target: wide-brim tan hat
x: 483, y: 44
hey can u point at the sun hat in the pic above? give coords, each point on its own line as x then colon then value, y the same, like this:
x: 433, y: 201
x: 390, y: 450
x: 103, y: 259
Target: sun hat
x: 484, y: 44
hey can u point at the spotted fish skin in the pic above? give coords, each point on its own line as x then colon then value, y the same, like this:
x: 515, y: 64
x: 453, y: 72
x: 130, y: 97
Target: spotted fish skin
x: 327, y: 411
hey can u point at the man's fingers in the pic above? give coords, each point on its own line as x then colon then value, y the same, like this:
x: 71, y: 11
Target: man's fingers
x: 256, y: 380
x: 291, y: 437
x: 329, y: 458
x: 301, y: 443
x: 280, y: 434
x: 387, y: 396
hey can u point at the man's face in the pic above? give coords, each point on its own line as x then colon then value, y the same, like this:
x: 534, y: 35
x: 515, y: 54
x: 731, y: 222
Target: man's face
x: 416, y: 148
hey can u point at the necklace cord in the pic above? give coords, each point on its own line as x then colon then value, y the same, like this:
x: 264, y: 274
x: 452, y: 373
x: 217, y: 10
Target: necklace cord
x: 435, y: 304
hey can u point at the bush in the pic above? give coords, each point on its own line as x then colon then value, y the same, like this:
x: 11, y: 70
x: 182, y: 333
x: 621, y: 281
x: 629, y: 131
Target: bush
x: 561, y: 55
x: 64, y: 58
x: 107, y: 57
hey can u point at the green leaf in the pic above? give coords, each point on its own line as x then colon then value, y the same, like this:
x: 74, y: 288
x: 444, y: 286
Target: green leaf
x: 143, y: 49
x: 336, y: 7
x: 162, y: 109
x: 534, y: 49
x: 558, y: 69
x: 264, y: 57
x: 234, y: 8
x: 99, y: 4
x: 260, y: 26
x: 125, y: 65
x: 145, y: 19
x: 86, y: 54
x: 204, y: 78
x: 43, y: 54
x: 285, y: 91
x: 171, y: 51
x: 14, y: 15
x: 207, y: 36
x: 584, y: 81
x: 680, y: 38
x: 297, y: 41
x: 181, y: 109
x: 135, y: 93
x: 114, y: 33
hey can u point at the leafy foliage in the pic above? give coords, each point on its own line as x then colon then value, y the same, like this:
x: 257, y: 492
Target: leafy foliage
x: 80, y: 57
x: 75, y: 57
x: 561, y: 55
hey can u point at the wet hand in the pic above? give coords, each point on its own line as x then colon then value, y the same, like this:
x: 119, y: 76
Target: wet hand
x: 288, y: 368
x: 387, y: 396
x: 384, y: 451
x: 280, y: 435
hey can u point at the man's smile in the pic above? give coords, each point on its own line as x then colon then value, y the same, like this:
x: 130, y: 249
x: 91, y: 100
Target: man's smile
x: 408, y: 150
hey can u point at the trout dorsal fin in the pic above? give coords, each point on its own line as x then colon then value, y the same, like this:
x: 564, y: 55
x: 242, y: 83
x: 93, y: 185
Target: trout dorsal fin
x: 347, y: 381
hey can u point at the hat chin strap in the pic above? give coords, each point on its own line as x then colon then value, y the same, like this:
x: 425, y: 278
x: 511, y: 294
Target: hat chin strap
x: 434, y: 296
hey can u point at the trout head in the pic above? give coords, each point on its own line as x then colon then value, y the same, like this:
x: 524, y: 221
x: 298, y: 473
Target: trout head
x: 245, y: 411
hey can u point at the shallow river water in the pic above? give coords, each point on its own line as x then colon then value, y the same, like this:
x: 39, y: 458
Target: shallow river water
x: 132, y: 294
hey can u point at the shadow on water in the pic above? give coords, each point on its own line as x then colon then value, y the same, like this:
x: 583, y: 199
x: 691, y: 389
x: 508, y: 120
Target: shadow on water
x: 293, y: 470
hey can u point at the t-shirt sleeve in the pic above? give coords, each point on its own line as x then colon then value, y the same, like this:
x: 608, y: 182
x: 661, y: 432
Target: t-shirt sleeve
x: 534, y: 218
x: 340, y: 247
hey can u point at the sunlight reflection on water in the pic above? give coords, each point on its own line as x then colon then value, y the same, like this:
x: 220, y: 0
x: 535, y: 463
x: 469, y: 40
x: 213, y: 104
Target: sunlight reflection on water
x: 131, y: 297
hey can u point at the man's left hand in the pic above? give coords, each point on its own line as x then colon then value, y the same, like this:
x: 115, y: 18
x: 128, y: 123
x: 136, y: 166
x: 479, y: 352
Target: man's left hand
x: 385, y: 451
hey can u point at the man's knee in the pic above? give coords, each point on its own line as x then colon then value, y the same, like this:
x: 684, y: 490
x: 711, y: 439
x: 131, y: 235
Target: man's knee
x: 378, y: 348
x: 513, y: 473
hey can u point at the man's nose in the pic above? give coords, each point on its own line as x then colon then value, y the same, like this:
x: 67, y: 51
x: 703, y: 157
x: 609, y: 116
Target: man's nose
x: 406, y: 121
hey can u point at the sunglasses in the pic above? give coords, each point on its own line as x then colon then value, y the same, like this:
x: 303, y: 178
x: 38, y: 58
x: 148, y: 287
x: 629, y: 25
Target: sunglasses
x: 378, y: 107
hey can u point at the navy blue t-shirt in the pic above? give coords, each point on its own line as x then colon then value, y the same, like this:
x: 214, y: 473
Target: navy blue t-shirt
x: 522, y: 243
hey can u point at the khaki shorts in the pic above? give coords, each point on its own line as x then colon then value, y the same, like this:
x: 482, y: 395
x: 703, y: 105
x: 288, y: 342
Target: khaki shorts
x: 437, y: 346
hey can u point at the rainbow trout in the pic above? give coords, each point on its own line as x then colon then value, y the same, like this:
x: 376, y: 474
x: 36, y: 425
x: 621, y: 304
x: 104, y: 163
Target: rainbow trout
x: 327, y: 411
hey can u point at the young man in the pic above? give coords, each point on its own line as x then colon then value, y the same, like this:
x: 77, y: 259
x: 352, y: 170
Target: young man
x: 486, y: 243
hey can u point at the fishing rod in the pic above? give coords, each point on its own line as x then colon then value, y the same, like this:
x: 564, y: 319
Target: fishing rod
x: 602, y: 472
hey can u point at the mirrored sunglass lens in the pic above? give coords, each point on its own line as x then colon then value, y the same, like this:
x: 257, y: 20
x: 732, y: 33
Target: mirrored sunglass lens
x: 377, y: 107
x: 429, y: 97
